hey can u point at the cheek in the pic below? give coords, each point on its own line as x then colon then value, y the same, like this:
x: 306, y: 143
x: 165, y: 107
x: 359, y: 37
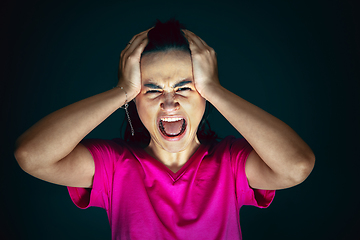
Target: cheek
x: 146, y: 111
x: 198, y: 108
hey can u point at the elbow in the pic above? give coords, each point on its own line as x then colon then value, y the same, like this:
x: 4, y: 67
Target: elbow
x: 303, y: 168
x: 24, y: 159
x: 21, y: 156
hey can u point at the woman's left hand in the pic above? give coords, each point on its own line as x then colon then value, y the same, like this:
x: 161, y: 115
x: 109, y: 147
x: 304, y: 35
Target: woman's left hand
x: 204, y: 62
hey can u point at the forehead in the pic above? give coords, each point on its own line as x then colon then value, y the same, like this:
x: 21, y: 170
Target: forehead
x: 161, y: 66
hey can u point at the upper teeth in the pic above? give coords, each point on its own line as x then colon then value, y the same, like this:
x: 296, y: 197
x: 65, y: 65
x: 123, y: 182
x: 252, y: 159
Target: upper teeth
x: 171, y: 119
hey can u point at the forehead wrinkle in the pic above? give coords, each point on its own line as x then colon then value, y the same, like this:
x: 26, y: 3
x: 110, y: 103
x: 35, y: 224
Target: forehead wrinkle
x: 166, y: 70
x: 166, y: 76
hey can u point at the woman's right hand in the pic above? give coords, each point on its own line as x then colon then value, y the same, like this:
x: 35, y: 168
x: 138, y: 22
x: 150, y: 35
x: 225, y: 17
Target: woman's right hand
x: 51, y: 149
x: 129, y: 74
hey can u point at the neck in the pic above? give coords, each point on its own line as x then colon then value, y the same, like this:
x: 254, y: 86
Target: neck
x: 174, y: 161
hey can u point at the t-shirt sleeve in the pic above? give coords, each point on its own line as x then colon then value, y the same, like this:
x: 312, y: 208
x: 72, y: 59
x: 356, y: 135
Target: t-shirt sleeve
x: 240, y: 150
x: 104, y: 153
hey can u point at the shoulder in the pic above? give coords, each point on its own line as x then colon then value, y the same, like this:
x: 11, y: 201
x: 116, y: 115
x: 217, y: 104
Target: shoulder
x: 106, y: 148
x: 110, y: 154
x: 230, y: 149
x: 101, y: 145
x: 230, y: 144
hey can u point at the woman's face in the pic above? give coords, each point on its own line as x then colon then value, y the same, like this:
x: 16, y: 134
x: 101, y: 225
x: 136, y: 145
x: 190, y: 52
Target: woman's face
x: 168, y: 104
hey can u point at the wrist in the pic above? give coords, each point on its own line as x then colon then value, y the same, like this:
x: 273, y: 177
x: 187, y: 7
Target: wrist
x: 126, y: 105
x: 210, y: 90
x: 131, y: 92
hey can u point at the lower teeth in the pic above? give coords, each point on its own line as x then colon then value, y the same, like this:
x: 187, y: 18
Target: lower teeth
x: 163, y: 130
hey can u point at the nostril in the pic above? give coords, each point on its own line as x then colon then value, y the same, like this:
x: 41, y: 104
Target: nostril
x: 170, y: 105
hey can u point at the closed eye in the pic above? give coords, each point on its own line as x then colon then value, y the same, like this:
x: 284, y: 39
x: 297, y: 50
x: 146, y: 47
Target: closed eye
x: 183, y: 89
x: 153, y: 91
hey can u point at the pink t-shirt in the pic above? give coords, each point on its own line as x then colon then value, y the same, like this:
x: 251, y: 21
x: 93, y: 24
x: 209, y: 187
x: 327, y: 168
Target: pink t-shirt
x: 146, y: 200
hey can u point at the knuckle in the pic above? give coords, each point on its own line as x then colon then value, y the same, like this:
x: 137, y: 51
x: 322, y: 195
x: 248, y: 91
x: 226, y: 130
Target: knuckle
x: 129, y: 58
x: 132, y: 57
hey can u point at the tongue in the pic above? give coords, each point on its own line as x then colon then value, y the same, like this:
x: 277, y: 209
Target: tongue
x: 172, y: 128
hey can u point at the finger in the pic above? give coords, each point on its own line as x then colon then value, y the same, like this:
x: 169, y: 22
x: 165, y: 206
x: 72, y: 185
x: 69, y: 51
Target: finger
x: 137, y: 35
x: 137, y: 47
x: 133, y: 39
x: 135, y: 44
x: 196, y: 38
x: 195, y: 45
x: 139, y: 41
x: 140, y: 48
x: 132, y: 58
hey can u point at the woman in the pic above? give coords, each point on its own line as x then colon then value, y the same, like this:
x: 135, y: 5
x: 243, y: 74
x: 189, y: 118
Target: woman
x: 167, y: 182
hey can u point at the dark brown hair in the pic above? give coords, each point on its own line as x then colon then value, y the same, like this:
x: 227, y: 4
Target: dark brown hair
x: 165, y: 37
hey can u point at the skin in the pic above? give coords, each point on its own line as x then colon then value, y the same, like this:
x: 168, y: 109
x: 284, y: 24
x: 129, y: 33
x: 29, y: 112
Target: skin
x: 162, y: 71
x: 280, y: 158
x: 50, y: 150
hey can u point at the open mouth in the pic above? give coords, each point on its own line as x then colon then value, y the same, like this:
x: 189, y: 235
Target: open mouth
x: 172, y: 127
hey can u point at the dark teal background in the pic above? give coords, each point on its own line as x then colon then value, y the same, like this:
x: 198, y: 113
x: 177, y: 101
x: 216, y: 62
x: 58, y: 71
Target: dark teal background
x: 298, y: 60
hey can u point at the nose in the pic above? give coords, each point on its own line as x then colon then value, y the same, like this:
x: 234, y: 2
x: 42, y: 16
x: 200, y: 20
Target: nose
x: 169, y: 103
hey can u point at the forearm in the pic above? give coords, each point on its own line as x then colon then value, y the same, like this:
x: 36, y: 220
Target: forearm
x: 56, y: 135
x: 275, y: 142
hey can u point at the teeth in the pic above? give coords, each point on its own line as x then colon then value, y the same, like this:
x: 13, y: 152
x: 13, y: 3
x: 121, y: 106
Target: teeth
x: 170, y: 119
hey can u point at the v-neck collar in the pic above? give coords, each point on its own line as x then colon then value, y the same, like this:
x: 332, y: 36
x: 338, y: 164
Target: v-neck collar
x: 176, y: 176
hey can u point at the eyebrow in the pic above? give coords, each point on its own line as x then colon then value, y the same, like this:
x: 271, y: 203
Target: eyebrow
x: 179, y: 84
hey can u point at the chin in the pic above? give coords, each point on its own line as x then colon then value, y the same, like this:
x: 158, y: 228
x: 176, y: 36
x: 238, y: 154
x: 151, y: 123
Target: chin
x: 174, y: 146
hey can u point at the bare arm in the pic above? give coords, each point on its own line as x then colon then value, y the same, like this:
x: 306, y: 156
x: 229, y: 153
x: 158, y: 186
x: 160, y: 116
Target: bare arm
x: 280, y: 159
x: 50, y: 149
x: 43, y: 149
